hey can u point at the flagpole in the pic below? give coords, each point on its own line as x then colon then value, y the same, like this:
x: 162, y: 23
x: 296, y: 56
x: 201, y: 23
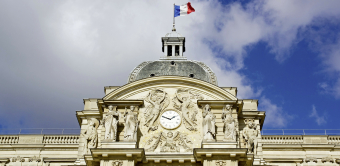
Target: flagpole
x: 174, y: 29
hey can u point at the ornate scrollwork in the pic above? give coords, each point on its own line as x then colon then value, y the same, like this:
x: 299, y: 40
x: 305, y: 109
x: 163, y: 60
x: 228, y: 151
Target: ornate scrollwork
x: 220, y: 163
x: 18, y: 158
x: 169, y: 142
x: 34, y: 158
x: 117, y: 163
x: 183, y: 102
x: 158, y: 100
x: 311, y: 159
x: 327, y: 159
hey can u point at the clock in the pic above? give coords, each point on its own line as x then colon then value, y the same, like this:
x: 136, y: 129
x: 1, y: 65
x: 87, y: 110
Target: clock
x: 170, y: 119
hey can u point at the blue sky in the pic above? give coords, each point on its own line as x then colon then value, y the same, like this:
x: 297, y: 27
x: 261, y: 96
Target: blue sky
x: 284, y: 53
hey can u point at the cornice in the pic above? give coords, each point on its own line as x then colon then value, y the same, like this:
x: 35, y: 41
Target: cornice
x: 166, y: 80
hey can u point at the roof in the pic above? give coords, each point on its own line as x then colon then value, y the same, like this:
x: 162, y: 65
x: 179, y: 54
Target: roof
x: 187, y: 68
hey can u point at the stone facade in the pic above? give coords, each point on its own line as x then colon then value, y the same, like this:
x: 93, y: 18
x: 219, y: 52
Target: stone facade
x: 170, y: 119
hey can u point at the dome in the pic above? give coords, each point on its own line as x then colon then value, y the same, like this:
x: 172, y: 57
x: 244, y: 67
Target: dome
x: 186, y: 68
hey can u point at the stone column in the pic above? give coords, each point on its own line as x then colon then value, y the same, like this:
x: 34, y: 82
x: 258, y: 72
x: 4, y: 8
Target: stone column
x: 181, y: 50
x: 173, y: 50
x: 165, y: 50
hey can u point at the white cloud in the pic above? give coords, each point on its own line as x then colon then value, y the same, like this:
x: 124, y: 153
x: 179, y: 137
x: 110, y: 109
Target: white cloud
x: 320, y: 120
x: 275, y: 116
x: 59, y: 53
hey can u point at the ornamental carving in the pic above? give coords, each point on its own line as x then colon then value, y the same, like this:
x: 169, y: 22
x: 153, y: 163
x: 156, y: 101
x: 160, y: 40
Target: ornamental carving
x: 230, y: 124
x: 110, y: 123
x: 18, y: 159
x: 311, y: 159
x: 183, y: 101
x: 169, y: 142
x: 158, y: 100
x: 34, y: 159
x: 91, y: 135
x: 220, y: 163
x: 209, y: 119
x: 117, y: 163
x: 131, y: 124
x: 250, y: 134
x: 327, y: 159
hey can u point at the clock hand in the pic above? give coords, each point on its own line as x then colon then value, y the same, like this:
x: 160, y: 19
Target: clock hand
x: 166, y: 117
x: 173, y: 117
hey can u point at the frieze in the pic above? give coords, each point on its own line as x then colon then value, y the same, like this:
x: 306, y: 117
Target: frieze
x: 169, y: 142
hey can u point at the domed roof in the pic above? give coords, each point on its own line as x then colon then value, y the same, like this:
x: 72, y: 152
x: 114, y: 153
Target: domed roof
x: 186, y: 68
x: 173, y: 34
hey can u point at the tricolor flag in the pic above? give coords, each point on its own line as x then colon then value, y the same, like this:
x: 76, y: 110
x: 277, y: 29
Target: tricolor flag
x: 183, y: 9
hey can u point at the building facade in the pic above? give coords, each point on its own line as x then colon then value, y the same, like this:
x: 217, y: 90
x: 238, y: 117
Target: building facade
x: 171, y: 112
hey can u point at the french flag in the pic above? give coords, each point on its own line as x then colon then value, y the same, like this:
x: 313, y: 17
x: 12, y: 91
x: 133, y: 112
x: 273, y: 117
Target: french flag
x: 183, y: 9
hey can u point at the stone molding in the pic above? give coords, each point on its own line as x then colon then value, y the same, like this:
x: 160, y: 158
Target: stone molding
x: 176, y: 80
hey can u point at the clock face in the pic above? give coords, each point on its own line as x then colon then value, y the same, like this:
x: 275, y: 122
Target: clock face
x: 170, y: 119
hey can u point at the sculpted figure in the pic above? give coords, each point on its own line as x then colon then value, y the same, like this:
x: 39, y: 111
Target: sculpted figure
x: 158, y: 100
x: 110, y: 122
x: 170, y: 142
x: 250, y: 134
x: 131, y: 124
x: 91, y: 135
x: 183, y: 102
x: 230, y: 124
x: 208, y: 124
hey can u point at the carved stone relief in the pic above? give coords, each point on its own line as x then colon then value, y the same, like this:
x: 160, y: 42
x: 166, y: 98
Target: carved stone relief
x: 221, y: 163
x: 18, y: 159
x: 117, y: 163
x: 158, y: 100
x: 230, y: 124
x: 90, y: 135
x: 209, y: 119
x: 110, y: 123
x: 183, y: 102
x: 311, y: 159
x: 131, y: 124
x: 169, y: 142
x: 327, y: 159
x: 250, y: 134
x: 34, y: 159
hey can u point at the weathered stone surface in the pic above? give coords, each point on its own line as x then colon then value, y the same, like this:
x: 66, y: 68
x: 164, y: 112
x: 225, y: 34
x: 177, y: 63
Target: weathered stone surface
x: 31, y: 139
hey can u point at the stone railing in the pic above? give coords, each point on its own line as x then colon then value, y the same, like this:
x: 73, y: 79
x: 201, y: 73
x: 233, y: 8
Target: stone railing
x: 9, y: 139
x: 61, y: 139
x: 282, y: 139
x: 334, y: 140
x: 39, y: 139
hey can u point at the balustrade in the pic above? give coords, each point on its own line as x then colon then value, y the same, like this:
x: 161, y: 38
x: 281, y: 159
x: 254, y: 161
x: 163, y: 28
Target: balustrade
x: 282, y: 139
x: 9, y: 139
x: 61, y: 139
x: 334, y: 140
